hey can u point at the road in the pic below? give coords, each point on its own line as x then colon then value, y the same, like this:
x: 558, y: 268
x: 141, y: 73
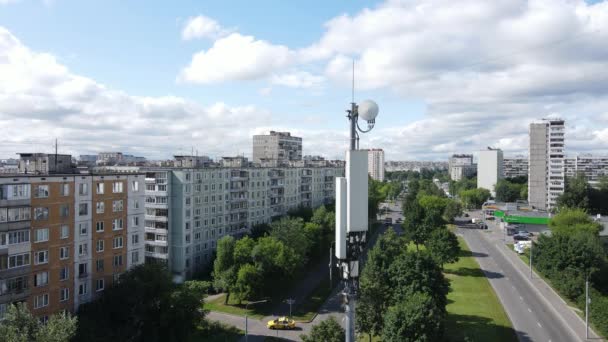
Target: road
x: 535, y: 310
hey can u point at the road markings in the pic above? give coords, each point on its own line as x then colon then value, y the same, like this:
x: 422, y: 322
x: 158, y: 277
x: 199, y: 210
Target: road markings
x: 539, y: 324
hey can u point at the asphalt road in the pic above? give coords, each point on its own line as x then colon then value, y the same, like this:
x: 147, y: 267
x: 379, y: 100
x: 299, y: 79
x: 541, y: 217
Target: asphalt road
x: 535, y: 316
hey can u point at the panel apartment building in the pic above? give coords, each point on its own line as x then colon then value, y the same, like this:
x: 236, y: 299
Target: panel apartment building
x: 64, y: 238
x: 375, y: 163
x: 461, y: 166
x: 489, y: 169
x: 277, y: 146
x: 189, y: 209
x: 516, y: 166
x: 546, y: 167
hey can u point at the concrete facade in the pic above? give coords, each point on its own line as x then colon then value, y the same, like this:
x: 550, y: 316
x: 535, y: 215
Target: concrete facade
x: 516, y: 167
x: 280, y: 146
x: 546, y: 172
x: 375, y: 163
x: 189, y: 209
x: 461, y: 166
x: 489, y: 169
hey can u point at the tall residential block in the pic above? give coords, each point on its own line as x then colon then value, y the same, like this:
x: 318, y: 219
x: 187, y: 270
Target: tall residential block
x: 546, y: 171
x: 375, y: 163
x: 461, y: 166
x: 489, y: 169
x: 277, y: 146
x: 64, y: 238
x: 189, y: 209
x: 516, y: 167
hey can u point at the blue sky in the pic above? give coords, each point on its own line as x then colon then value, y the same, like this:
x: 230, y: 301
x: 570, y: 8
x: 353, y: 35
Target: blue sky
x: 413, y: 57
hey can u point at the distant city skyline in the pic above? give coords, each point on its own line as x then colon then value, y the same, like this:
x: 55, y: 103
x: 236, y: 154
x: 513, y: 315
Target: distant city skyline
x: 207, y: 76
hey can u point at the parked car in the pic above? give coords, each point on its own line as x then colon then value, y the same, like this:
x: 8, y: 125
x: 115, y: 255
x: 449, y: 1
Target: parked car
x: 466, y: 215
x: 281, y: 323
x: 481, y: 225
x: 518, y: 237
x: 399, y: 220
x: 525, y: 233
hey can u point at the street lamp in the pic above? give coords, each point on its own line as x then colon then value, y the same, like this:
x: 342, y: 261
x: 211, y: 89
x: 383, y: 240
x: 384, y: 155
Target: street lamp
x: 247, y: 318
x: 352, y: 209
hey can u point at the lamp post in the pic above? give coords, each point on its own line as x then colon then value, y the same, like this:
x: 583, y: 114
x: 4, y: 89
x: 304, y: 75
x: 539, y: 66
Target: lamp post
x: 351, y: 209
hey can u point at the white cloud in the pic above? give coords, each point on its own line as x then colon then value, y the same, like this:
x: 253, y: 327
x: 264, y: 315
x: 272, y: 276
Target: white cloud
x: 236, y: 58
x: 41, y: 99
x: 298, y: 79
x: 203, y: 27
x: 266, y: 91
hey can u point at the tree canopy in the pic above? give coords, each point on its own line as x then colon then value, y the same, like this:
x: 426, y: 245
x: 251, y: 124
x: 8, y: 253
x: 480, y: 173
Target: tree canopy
x: 416, y: 318
x: 19, y: 325
x: 328, y: 330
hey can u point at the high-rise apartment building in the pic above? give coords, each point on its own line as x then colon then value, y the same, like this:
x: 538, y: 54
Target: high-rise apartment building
x: 375, y: 163
x: 489, y: 169
x: 516, y: 167
x: 592, y: 167
x: 65, y: 237
x: 546, y: 170
x: 277, y: 146
x: 461, y: 166
x: 189, y: 209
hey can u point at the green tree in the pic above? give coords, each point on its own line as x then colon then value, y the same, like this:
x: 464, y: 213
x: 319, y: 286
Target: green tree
x: 328, y: 330
x: 443, y: 246
x: 274, y: 259
x: 453, y: 209
x: 291, y: 232
x: 474, y: 198
x: 576, y: 193
x: 375, y: 289
x: 19, y: 325
x: 417, y: 318
x: 242, y: 251
x: 316, y: 238
x: 570, y: 220
x: 413, y: 223
x: 417, y: 272
x: 507, y: 191
x: 248, y: 283
x: 224, y: 269
x: 144, y: 306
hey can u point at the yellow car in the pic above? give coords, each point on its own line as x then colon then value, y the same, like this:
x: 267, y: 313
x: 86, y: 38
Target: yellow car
x: 281, y: 323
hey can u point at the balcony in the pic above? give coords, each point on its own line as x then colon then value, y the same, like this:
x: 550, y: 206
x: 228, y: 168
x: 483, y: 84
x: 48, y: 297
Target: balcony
x: 83, y: 275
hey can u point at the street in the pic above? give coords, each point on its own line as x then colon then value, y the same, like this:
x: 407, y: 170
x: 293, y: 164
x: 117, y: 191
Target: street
x: 536, y: 312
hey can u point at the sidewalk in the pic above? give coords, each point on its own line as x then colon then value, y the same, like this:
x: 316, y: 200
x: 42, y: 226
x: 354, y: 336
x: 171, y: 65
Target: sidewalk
x: 567, y: 315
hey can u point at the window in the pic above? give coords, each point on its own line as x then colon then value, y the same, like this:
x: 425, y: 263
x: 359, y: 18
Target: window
x: 83, y: 249
x: 99, y: 226
x: 117, y: 260
x: 99, y: 285
x: 134, y: 239
x: 64, y: 253
x: 117, y: 243
x: 83, y: 189
x: 99, y: 246
x: 82, y: 270
x: 135, y: 221
x: 135, y: 257
x: 41, y: 279
x: 65, y: 232
x: 41, y: 213
x: 83, y: 209
x: 100, y: 188
x: 117, y: 187
x: 41, y: 191
x: 99, y: 264
x: 82, y: 289
x: 135, y: 186
x: 64, y: 210
x: 41, y: 301
x: 135, y: 204
x: 83, y: 227
x: 17, y: 260
x: 65, y: 189
x: 14, y: 238
x: 64, y: 273
x: 117, y: 224
x: 64, y: 294
x: 100, y: 208
x: 117, y: 205
x: 41, y: 257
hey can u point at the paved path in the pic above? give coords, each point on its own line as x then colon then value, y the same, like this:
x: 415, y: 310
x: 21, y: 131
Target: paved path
x: 536, y: 311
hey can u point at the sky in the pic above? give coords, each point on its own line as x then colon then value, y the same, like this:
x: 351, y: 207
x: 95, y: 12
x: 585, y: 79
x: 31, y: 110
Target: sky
x: 157, y: 78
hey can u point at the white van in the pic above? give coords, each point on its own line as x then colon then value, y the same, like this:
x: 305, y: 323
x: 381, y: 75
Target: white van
x: 520, y: 246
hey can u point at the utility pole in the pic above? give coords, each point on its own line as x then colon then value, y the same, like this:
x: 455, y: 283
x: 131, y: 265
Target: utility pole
x: 331, y: 260
x: 531, y: 246
x: 587, y: 300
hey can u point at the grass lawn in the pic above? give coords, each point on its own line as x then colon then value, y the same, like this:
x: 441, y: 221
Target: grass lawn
x: 474, y: 310
x: 304, y: 312
x: 217, y: 332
